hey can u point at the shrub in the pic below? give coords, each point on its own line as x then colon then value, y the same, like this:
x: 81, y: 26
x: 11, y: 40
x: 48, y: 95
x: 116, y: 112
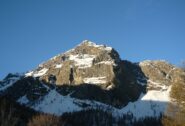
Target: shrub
x: 45, y: 120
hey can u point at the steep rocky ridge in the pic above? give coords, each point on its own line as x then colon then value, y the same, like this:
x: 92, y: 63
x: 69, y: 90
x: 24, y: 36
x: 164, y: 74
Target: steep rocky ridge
x: 159, y: 74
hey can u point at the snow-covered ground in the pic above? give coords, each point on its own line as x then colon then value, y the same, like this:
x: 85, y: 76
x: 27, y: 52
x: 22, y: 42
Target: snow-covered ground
x: 40, y: 72
x: 55, y: 103
x: 95, y: 80
x: 150, y: 104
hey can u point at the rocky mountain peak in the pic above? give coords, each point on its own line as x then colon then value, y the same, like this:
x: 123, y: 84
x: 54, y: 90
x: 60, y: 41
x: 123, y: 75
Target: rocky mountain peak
x: 86, y: 63
x: 87, y: 43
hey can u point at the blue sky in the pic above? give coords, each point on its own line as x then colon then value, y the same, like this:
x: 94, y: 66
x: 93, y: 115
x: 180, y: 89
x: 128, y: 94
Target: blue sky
x: 32, y: 31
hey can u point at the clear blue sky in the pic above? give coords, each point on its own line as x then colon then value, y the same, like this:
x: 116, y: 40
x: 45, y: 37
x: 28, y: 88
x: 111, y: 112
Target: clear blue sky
x: 32, y: 31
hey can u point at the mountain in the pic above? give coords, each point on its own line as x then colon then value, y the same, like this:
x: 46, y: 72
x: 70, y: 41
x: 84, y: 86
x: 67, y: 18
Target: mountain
x: 92, y: 76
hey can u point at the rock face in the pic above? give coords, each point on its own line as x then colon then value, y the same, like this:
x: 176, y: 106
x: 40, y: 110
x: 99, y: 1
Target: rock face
x: 91, y: 76
x: 87, y: 63
x: 160, y: 74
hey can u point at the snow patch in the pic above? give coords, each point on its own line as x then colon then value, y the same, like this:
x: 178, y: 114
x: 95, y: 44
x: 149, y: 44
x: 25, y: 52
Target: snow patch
x: 110, y: 62
x: 108, y: 48
x: 9, y: 83
x: 37, y: 73
x: 168, y: 74
x: 58, y: 66
x: 53, y: 58
x: 82, y: 61
x: 30, y: 73
x: 145, y: 63
x: 155, y: 95
x: 103, y: 47
x: 23, y: 100
x: 69, y: 51
x: 40, y: 72
x: 157, y: 85
x: 110, y: 87
x: 95, y: 80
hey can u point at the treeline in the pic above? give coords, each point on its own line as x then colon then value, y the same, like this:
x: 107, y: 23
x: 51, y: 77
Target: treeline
x: 13, y: 114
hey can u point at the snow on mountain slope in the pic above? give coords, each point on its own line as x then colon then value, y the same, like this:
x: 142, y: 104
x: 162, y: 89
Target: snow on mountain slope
x: 56, y: 103
x: 37, y: 73
x: 9, y: 81
x: 151, y: 104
